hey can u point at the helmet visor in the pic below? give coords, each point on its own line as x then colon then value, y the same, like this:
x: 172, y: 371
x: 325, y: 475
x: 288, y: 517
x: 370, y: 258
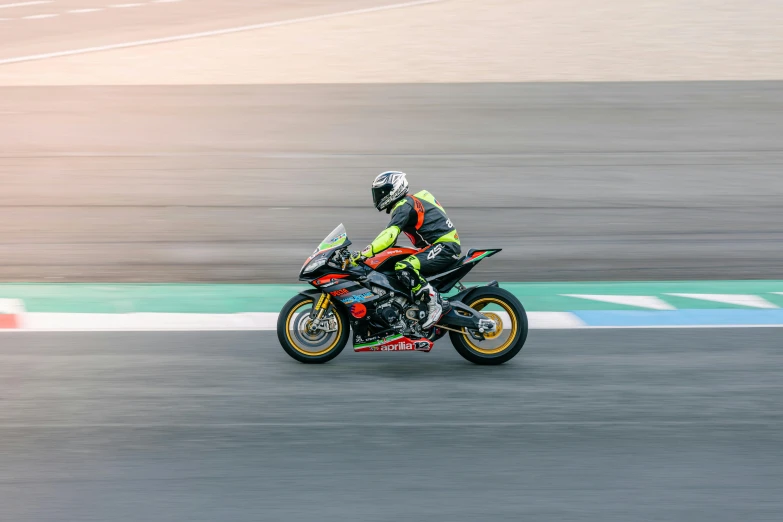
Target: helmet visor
x: 378, y: 193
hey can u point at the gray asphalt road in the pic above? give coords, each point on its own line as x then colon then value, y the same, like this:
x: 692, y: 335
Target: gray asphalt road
x: 574, y: 181
x: 599, y: 425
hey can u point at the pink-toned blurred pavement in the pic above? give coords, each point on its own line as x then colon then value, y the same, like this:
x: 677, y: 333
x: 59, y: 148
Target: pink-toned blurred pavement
x: 387, y: 41
x: 41, y: 27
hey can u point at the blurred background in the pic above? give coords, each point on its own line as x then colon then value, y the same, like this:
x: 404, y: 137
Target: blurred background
x: 591, y: 140
x: 217, y: 141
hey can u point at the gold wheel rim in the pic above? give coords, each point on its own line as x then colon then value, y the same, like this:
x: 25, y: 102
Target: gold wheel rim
x: 296, y: 346
x: 478, y: 306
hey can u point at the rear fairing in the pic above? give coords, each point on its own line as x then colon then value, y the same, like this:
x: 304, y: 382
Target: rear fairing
x: 445, y: 281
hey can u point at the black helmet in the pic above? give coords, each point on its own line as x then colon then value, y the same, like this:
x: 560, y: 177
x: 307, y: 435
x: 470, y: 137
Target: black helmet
x: 388, y: 188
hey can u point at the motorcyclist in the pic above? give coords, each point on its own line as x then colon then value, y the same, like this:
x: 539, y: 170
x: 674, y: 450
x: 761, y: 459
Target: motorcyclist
x: 429, y: 229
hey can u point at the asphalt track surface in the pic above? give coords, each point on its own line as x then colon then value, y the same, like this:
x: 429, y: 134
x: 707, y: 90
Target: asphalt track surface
x: 598, y: 425
x: 239, y: 183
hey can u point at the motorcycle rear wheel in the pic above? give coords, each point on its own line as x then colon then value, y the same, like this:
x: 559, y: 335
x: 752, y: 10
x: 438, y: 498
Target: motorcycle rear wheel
x: 299, y: 344
x: 508, y: 345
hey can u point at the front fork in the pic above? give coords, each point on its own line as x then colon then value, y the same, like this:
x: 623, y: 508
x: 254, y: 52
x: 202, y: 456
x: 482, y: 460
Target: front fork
x: 317, y: 313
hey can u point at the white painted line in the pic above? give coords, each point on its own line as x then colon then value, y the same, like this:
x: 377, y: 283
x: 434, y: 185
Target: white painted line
x: 124, y: 6
x: 71, y: 328
x: 23, y: 4
x: 683, y: 326
x: 11, y: 306
x: 251, y: 321
x: 39, y: 17
x: 86, y: 10
x: 642, y: 301
x: 148, y: 322
x: 257, y: 321
x: 217, y: 32
x: 752, y: 301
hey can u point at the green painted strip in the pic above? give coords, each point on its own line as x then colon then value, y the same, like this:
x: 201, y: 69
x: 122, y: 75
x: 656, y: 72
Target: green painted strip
x: 234, y: 298
x: 160, y: 298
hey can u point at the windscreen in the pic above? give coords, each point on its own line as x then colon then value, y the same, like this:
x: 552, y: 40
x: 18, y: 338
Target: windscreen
x: 336, y: 237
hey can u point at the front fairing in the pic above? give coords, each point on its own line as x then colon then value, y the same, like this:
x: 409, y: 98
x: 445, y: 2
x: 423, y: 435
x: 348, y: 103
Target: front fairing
x: 320, y: 259
x: 326, y: 267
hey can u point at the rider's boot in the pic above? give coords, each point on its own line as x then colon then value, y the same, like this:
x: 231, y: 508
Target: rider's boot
x: 434, y: 305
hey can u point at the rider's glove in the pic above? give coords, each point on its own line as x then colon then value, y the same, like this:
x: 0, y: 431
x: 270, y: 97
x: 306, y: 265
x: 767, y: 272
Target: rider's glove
x: 360, y: 256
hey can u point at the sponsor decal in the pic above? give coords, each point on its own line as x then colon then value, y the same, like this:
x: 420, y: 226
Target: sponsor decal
x: 340, y: 292
x: 386, y: 254
x: 423, y: 345
x: 358, y: 310
x: 396, y: 344
x: 358, y: 339
x: 400, y: 346
x: 357, y: 298
x: 405, y: 345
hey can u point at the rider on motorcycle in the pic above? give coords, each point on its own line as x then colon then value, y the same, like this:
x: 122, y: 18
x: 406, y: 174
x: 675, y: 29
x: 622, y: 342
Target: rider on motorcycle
x: 429, y: 229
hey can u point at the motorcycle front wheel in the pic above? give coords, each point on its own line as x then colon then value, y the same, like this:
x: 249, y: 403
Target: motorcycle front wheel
x: 506, y: 341
x: 299, y: 343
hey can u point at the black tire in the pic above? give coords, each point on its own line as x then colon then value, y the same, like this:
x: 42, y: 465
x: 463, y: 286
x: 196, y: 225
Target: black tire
x: 516, y: 341
x: 288, y: 340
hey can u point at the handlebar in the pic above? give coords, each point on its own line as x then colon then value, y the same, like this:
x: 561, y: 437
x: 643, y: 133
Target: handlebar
x: 343, y: 257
